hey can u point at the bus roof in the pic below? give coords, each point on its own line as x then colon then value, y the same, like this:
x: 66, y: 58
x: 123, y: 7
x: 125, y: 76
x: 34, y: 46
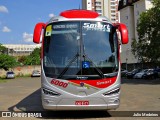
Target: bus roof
x: 79, y: 14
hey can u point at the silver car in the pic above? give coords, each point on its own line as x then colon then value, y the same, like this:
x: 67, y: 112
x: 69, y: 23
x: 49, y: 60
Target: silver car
x: 10, y: 75
x: 140, y: 74
x: 36, y: 73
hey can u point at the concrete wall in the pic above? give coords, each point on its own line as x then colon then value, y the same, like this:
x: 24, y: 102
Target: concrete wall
x: 21, y: 70
x: 127, y: 17
x: 139, y: 7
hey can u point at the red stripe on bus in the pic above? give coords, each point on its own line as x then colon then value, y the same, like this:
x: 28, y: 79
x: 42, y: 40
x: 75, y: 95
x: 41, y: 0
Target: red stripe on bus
x: 100, y: 83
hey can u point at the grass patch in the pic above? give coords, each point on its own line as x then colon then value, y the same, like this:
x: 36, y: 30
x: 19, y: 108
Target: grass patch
x: 3, y: 80
x: 23, y: 75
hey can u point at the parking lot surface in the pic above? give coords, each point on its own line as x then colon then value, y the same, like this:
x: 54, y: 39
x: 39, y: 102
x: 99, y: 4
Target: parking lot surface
x: 23, y: 94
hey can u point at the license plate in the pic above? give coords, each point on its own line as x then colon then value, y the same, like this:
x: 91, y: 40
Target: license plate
x: 81, y: 102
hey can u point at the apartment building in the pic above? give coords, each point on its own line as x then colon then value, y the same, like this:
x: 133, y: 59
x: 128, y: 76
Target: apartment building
x: 20, y: 49
x: 130, y: 11
x: 108, y: 8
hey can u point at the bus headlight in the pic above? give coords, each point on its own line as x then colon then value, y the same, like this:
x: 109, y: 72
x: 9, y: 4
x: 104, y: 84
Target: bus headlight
x: 112, y: 92
x: 50, y: 92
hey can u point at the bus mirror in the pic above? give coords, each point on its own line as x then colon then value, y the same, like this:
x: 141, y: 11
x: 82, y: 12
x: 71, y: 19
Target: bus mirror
x: 38, y: 31
x: 123, y: 31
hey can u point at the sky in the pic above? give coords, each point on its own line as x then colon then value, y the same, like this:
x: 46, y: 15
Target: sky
x: 18, y: 18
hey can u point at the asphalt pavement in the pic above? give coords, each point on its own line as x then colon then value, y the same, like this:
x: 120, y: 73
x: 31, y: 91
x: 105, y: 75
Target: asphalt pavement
x: 23, y: 94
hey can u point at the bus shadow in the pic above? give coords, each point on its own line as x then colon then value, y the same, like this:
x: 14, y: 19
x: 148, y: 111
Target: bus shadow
x: 29, y: 103
x: 32, y: 103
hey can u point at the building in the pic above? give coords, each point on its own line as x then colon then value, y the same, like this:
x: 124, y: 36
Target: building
x: 20, y: 49
x: 108, y: 8
x: 130, y: 11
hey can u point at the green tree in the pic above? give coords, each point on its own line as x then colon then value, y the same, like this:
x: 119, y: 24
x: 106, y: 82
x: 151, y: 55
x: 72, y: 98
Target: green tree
x: 21, y: 59
x: 147, y: 47
x: 33, y: 58
x: 2, y: 49
x: 7, y: 62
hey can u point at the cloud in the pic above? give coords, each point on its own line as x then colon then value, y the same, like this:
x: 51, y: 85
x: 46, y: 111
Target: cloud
x: 3, y: 9
x: 6, y: 29
x: 51, y: 15
x: 27, y: 37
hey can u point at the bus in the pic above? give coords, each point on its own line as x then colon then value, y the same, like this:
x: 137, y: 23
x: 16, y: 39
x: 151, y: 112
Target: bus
x: 80, y: 61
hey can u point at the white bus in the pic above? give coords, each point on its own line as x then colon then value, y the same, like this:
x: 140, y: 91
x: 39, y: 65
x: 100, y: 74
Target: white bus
x: 80, y: 60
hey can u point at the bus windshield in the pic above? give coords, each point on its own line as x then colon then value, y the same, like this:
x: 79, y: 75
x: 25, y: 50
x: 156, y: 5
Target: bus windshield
x: 80, y: 49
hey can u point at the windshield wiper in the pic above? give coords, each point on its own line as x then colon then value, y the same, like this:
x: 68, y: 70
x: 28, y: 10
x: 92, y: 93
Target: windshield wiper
x: 68, y: 65
x: 100, y: 73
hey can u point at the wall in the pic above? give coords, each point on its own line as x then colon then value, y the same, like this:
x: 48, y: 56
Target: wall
x: 127, y: 17
x: 21, y: 70
x: 139, y: 7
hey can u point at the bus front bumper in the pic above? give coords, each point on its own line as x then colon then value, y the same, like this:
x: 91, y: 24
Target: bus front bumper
x: 62, y: 105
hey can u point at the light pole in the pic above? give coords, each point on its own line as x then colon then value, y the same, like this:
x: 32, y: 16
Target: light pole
x: 127, y: 57
x: 126, y: 63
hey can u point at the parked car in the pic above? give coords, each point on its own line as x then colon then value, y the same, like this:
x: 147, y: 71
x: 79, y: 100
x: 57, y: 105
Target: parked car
x: 158, y: 71
x: 140, y: 74
x: 36, y: 73
x: 132, y: 73
x: 151, y: 74
x: 123, y: 72
x: 10, y: 75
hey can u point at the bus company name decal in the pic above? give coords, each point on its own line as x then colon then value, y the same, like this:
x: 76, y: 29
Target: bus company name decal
x: 104, y: 82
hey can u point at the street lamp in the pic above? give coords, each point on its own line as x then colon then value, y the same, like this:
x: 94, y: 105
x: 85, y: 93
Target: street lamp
x: 127, y: 56
x: 126, y: 63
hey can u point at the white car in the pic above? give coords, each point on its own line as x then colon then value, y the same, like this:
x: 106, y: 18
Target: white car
x: 36, y: 73
x: 140, y: 74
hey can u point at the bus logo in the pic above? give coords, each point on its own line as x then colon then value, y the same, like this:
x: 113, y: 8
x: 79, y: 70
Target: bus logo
x: 81, y: 84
